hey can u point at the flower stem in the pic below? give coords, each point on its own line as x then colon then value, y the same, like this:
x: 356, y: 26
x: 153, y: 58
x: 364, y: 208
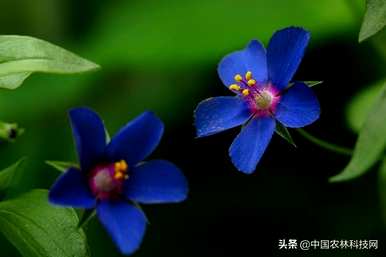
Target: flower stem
x: 326, y: 145
x: 86, y: 217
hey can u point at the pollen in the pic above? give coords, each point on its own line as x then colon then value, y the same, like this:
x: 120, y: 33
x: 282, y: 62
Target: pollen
x: 251, y: 82
x: 234, y: 87
x: 238, y: 78
x: 248, y: 75
x: 245, y: 92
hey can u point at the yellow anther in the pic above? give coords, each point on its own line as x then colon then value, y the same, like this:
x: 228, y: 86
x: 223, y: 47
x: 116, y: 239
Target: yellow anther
x: 245, y: 92
x: 238, y: 78
x: 117, y: 166
x: 120, y: 168
x: 251, y: 82
x: 123, y: 165
x: 118, y: 175
x: 248, y: 75
x: 234, y: 87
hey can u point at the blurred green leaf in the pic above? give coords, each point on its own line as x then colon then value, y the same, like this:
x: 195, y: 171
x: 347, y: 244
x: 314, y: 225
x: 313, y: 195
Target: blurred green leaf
x: 62, y: 166
x: 284, y: 133
x: 8, y: 175
x: 176, y: 33
x: 14, y: 80
x: 360, y: 105
x: 374, y: 20
x: 22, y: 55
x: 370, y: 144
x: 382, y: 188
x: 38, y: 229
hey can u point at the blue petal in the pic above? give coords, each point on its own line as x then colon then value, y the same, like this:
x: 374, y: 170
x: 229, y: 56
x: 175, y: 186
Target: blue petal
x: 298, y: 107
x: 71, y: 189
x: 285, y: 51
x: 90, y: 136
x: 217, y: 114
x: 136, y: 140
x: 156, y: 181
x: 248, y: 147
x: 252, y: 58
x: 125, y: 223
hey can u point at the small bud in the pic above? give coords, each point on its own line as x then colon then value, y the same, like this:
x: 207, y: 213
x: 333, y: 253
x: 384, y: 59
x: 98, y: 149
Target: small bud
x: 10, y: 131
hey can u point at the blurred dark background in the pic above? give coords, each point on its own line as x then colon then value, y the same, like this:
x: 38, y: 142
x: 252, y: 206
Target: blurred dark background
x: 162, y: 56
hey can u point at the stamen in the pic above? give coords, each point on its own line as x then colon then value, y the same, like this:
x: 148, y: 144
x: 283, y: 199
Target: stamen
x: 120, y: 169
x: 245, y: 92
x: 251, y: 82
x: 234, y: 87
x: 118, y: 175
x: 238, y: 78
x: 248, y: 75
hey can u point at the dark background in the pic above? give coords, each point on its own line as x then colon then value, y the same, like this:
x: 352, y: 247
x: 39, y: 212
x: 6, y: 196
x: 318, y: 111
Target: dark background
x: 162, y: 56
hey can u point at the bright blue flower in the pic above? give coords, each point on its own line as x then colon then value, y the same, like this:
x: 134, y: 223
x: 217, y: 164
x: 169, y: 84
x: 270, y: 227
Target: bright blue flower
x: 112, y: 176
x: 260, y: 78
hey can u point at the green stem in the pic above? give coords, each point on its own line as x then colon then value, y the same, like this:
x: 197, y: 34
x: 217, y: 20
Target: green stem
x: 326, y: 145
x: 86, y: 217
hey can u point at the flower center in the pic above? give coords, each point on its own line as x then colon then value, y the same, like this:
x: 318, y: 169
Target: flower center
x: 264, y: 99
x: 106, y: 181
x: 261, y: 97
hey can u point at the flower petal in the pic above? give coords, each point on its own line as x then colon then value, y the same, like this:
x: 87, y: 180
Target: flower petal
x: 90, y: 136
x: 298, y: 107
x: 284, y: 54
x: 217, y: 114
x: 252, y: 58
x: 71, y: 189
x: 248, y: 147
x: 156, y: 181
x: 136, y: 140
x: 125, y: 223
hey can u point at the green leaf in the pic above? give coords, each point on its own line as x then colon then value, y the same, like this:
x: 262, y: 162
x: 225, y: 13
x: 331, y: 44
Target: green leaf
x: 374, y: 20
x: 360, y: 105
x: 382, y: 188
x: 38, y: 229
x: 8, y: 176
x: 22, y: 55
x: 312, y: 83
x: 370, y: 144
x: 284, y: 133
x: 13, y: 81
x: 62, y: 166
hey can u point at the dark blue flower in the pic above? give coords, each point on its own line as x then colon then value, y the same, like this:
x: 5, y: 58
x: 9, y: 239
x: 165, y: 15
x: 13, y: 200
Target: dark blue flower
x: 112, y: 176
x: 260, y: 78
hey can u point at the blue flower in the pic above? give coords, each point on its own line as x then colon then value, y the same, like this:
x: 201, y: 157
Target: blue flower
x: 112, y: 177
x: 261, y: 80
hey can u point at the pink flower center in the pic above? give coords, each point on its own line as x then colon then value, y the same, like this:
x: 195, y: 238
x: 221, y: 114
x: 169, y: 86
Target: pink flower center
x: 261, y: 98
x: 106, y: 180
